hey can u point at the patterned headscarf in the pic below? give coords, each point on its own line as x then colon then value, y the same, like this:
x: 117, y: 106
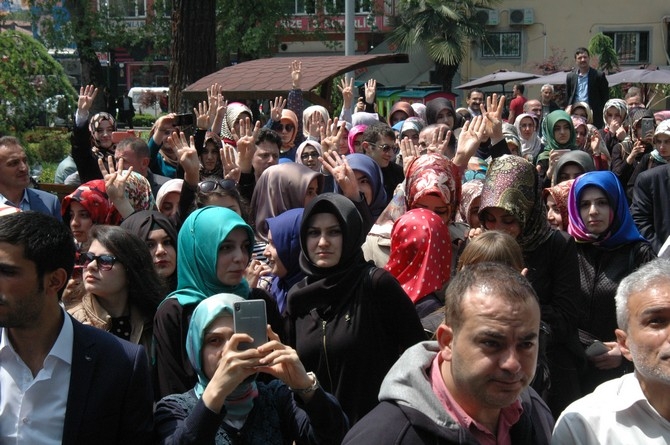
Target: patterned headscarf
x: 309, y: 112
x: 469, y: 192
x: 619, y: 104
x: 240, y: 402
x: 93, y: 197
x: 233, y: 112
x: 622, y: 229
x: 138, y: 192
x: 587, y: 108
x: 560, y: 194
x: 420, y: 253
x: 95, y: 122
x: 511, y: 184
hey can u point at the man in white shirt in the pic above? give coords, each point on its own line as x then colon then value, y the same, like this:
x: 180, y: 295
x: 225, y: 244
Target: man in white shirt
x: 60, y: 381
x: 635, y: 408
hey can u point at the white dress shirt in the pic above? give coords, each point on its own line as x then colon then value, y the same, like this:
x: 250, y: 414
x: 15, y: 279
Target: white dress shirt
x: 32, y: 410
x: 617, y: 412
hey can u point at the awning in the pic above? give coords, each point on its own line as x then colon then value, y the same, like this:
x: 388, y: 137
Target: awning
x: 269, y: 78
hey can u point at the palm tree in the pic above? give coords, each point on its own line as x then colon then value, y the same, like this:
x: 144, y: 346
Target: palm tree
x: 445, y: 28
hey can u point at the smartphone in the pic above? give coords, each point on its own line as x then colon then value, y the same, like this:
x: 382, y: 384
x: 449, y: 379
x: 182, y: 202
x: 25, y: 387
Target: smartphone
x: 561, y: 152
x: 183, y: 120
x: 249, y: 317
x: 118, y: 136
x: 596, y: 348
x: 647, y: 127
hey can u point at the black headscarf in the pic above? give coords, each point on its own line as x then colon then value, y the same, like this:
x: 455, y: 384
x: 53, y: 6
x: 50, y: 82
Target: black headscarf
x: 327, y: 288
x: 143, y: 222
x: 433, y: 108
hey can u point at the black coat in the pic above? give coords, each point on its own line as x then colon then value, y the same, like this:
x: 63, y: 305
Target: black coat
x: 598, y: 92
x: 650, y: 208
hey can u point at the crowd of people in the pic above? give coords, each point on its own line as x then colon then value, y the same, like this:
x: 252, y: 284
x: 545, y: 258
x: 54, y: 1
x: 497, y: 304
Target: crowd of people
x: 484, y: 274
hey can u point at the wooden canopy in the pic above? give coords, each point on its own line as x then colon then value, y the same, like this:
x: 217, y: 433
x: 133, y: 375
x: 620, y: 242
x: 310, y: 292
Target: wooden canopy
x: 269, y: 78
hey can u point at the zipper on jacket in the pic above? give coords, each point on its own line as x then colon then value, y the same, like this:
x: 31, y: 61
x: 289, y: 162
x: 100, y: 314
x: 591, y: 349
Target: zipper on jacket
x: 325, y: 354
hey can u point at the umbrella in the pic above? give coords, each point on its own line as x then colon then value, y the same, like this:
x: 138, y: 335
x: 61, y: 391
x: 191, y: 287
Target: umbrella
x: 639, y: 75
x: 557, y: 78
x: 500, y: 77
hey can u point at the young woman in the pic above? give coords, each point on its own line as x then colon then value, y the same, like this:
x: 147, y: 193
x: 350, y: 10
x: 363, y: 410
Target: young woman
x: 308, y: 154
x: 370, y: 182
x: 210, y: 158
x: 660, y: 155
x: 283, y: 252
x: 471, y: 198
x: 228, y: 406
x: 556, y: 200
x: 214, y: 248
x: 420, y: 258
x: 160, y: 236
x: 511, y: 203
x: 122, y: 288
x: 559, y: 135
x: 349, y: 321
x: 355, y: 138
x: 627, y: 154
x: 609, y: 247
x: 87, y: 206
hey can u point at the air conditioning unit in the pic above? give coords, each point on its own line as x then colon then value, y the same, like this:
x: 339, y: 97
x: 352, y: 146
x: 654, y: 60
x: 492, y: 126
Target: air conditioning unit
x: 488, y: 17
x: 524, y: 16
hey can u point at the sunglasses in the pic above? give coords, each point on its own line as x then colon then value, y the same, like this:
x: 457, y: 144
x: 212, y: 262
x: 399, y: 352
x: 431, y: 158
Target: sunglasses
x: 286, y: 127
x: 209, y: 186
x: 105, y: 262
x: 386, y: 147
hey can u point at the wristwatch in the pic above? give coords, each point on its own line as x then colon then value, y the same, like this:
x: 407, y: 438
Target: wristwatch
x: 312, y: 388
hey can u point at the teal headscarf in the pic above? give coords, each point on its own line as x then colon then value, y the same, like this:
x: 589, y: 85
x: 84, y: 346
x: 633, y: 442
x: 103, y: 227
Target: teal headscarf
x: 548, y: 133
x: 197, y: 253
x: 240, y: 401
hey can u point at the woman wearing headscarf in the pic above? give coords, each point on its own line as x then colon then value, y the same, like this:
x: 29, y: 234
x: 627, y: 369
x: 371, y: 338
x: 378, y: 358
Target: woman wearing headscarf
x: 348, y: 319
x: 420, y: 258
x: 210, y: 157
x: 660, y: 155
x: 411, y: 127
x: 308, y: 154
x: 309, y: 113
x: 432, y: 182
x: 228, y: 406
x: 280, y: 188
x: 615, y: 114
x: 283, y: 252
x: 214, y: 248
x: 167, y: 198
x: 160, y: 236
x: 531, y: 144
x: 511, y: 203
x: 588, y: 140
x: 235, y: 112
x: 91, y: 138
x: 559, y: 137
x: 609, y: 248
x: 571, y: 165
x: 627, y: 154
x: 399, y: 112
x: 441, y: 111
x: 471, y: 198
x: 582, y: 109
x: 355, y: 138
x: 556, y: 200
x: 87, y: 206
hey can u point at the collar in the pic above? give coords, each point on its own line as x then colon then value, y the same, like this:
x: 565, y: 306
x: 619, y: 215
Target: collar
x: 24, y: 204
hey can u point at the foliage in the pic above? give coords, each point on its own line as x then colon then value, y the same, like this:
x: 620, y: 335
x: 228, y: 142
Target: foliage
x: 143, y: 120
x: 31, y: 83
x: 603, y: 46
x: 557, y: 61
x: 47, y: 144
x: 444, y: 28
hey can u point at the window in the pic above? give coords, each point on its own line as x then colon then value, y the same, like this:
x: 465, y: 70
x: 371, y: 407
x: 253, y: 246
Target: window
x: 124, y: 8
x: 632, y: 47
x: 329, y: 6
x: 501, y: 44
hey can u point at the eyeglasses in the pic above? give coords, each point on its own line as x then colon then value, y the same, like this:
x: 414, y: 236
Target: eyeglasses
x: 210, y: 186
x: 287, y: 127
x: 313, y: 155
x: 386, y: 147
x: 105, y: 262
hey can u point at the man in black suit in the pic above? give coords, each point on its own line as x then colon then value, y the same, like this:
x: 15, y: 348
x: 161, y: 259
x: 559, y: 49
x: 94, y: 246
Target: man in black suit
x: 650, y: 208
x: 586, y: 84
x: 60, y: 381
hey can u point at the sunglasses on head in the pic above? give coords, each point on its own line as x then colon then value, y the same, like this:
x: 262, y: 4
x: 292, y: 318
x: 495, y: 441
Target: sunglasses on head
x: 105, y: 262
x: 209, y: 186
x: 287, y: 127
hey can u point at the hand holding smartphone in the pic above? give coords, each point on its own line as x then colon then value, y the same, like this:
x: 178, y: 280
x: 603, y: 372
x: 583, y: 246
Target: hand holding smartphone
x: 249, y: 317
x: 596, y: 348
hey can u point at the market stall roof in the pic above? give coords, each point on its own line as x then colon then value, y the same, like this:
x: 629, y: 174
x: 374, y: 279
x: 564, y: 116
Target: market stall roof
x: 269, y: 78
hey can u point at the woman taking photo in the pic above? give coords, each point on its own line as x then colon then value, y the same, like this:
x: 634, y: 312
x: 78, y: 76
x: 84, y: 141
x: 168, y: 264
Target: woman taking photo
x: 348, y: 319
x: 214, y: 248
x: 122, y: 287
x: 609, y: 248
x: 228, y: 406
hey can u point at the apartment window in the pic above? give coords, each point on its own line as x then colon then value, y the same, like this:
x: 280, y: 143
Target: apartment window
x: 330, y: 6
x: 501, y: 44
x: 632, y: 47
x: 124, y: 8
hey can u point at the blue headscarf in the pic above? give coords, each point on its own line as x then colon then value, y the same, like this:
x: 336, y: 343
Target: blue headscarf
x: 373, y: 172
x: 622, y: 229
x: 197, y: 254
x: 241, y: 400
x: 285, y: 230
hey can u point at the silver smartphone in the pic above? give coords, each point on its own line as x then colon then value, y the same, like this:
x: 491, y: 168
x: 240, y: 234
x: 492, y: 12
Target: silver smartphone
x: 249, y: 317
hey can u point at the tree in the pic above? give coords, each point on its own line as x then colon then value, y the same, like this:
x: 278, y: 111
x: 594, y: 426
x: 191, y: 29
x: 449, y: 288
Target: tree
x: 603, y: 46
x: 445, y: 28
x: 31, y: 82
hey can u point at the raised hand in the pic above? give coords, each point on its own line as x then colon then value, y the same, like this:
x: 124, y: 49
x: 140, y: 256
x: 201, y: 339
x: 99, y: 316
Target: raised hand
x: 229, y: 162
x: 342, y: 173
x: 493, y: 113
x: 331, y: 135
x: 255, y: 270
x: 115, y: 185
x: 370, y: 91
x: 296, y: 73
x: 203, y: 115
x: 276, y: 108
x: 472, y: 135
x: 186, y: 152
x: 409, y: 151
x: 439, y: 142
x: 86, y: 97
x: 246, y: 144
x: 346, y: 87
